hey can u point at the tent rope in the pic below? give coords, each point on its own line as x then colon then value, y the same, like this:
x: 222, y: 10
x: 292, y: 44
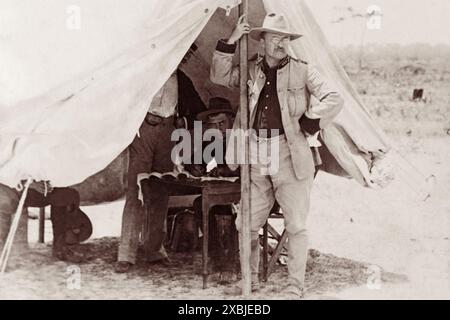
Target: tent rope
x: 12, y: 232
x: 411, y: 175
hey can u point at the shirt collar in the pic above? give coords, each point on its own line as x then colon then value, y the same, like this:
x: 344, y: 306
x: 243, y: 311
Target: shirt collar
x: 265, y: 67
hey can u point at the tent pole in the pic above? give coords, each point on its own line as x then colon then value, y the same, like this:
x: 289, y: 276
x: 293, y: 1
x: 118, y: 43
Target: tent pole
x: 245, y: 168
x: 13, y: 229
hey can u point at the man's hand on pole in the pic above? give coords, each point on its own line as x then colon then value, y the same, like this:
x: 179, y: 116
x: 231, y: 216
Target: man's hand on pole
x: 242, y: 27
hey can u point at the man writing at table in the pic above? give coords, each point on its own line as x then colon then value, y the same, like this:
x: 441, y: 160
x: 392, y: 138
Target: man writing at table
x: 222, y: 235
x: 280, y: 113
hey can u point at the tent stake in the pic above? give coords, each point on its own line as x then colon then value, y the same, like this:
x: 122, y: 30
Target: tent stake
x: 245, y: 168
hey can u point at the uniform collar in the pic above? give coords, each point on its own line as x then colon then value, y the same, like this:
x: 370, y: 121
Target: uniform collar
x: 261, y: 62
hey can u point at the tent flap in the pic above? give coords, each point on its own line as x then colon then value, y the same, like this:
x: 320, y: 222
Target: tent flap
x: 63, y: 125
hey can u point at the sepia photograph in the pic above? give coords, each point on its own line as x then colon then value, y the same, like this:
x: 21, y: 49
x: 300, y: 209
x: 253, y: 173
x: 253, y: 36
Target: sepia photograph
x: 224, y: 150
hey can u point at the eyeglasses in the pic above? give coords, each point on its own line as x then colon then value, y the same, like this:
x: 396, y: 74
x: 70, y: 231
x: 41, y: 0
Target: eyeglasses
x: 277, y: 41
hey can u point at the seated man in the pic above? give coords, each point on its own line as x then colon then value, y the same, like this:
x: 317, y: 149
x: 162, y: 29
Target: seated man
x: 175, y: 105
x: 223, y: 234
x: 63, y: 202
x: 219, y: 116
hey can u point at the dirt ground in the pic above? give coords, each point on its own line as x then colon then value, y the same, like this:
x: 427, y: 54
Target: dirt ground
x: 358, y: 235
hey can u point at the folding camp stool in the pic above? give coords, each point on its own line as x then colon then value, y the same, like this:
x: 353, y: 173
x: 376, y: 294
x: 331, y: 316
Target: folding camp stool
x: 275, y: 253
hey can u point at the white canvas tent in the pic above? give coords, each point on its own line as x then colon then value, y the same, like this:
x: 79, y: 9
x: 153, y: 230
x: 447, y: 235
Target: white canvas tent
x: 71, y: 100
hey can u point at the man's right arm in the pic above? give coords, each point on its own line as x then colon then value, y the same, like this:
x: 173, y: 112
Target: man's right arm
x: 222, y: 70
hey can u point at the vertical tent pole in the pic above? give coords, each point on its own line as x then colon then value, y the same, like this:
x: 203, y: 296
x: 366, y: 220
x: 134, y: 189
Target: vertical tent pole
x: 245, y: 169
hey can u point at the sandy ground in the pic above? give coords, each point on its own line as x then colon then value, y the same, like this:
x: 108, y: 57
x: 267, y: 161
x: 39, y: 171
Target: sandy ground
x: 392, y: 228
x: 359, y: 236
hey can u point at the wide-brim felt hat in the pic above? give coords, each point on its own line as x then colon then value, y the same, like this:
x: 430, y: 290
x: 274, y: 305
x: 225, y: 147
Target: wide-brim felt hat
x: 274, y: 23
x: 216, y: 105
x: 78, y: 227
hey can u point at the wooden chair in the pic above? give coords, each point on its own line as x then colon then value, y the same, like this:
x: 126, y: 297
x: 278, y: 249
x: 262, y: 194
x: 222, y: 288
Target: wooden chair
x: 275, y: 252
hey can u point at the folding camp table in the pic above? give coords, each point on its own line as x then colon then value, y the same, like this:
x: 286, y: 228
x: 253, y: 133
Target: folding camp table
x: 213, y: 193
x: 226, y: 193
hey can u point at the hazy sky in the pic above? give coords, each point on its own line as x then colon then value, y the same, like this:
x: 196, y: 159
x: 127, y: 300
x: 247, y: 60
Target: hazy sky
x: 403, y: 22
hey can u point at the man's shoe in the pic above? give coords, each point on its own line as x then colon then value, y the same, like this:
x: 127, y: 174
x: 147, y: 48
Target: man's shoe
x: 226, y: 277
x: 165, y: 262
x: 58, y: 252
x: 122, y: 267
x: 295, y: 293
x: 68, y: 255
x: 74, y: 257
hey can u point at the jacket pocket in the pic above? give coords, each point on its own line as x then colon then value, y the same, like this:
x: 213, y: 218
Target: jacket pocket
x: 297, y: 101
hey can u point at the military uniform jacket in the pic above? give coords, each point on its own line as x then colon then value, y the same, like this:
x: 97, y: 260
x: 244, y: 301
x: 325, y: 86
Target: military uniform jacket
x: 296, y: 82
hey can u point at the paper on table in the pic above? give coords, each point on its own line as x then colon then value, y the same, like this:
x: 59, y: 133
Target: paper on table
x: 176, y: 175
x: 211, y: 165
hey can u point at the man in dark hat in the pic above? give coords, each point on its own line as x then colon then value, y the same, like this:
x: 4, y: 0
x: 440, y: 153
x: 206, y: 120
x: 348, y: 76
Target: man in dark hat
x: 219, y: 116
x: 70, y: 224
x: 223, y: 235
x: 175, y: 105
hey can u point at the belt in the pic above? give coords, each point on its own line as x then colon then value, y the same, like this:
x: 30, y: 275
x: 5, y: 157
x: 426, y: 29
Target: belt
x: 269, y: 132
x: 154, y: 120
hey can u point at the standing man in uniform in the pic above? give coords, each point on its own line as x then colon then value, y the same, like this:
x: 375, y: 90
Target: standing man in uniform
x: 280, y: 113
x: 175, y: 105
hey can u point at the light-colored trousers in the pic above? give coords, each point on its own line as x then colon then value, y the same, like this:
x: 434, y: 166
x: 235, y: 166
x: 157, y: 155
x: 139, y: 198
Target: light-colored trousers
x: 293, y: 196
